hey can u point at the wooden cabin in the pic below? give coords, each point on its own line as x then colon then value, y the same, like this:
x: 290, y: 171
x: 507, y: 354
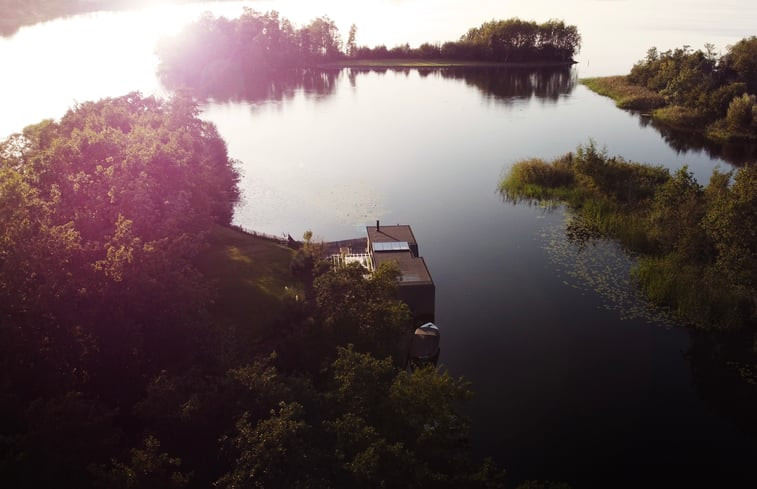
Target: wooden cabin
x: 397, y: 244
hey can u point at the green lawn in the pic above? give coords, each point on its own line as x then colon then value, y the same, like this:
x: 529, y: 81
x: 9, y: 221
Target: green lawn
x: 252, y: 281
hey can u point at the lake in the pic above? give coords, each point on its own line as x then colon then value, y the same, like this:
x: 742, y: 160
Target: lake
x: 576, y: 377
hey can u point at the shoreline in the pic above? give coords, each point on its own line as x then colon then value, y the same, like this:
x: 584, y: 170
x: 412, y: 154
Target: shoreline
x: 437, y: 63
x: 645, y: 102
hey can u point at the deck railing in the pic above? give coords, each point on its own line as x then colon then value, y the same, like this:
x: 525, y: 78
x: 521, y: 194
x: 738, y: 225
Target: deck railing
x: 364, y: 259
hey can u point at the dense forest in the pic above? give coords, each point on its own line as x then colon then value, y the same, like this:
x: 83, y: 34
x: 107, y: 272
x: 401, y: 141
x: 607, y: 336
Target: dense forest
x: 213, y: 51
x: 144, y: 343
x: 694, y: 90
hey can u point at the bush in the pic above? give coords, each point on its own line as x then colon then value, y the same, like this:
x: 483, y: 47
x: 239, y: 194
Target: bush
x: 680, y: 117
x: 701, y: 298
x: 741, y: 112
x: 535, y: 179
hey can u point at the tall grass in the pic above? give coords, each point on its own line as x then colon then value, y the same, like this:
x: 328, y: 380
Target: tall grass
x: 625, y: 94
x: 536, y: 180
x: 680, y: 117
x: 601, y: 189
x: 698, y: 295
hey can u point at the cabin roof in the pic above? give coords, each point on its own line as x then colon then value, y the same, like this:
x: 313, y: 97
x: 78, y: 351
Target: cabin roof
x: 387, y: 234
x: 414, y: 269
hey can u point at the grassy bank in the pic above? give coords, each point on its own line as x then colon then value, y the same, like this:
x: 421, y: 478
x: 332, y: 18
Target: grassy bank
x: 697, y: 245
x: 251, y: 278
x: 635, y: 97
x: 625, y: 94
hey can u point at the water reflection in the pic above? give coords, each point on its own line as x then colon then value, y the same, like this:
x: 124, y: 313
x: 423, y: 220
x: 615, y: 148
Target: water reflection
x: 283, y: 86
x: 501, y: 84
x: 724, y: 367
x: 684, y: 141
x: 506, y: 84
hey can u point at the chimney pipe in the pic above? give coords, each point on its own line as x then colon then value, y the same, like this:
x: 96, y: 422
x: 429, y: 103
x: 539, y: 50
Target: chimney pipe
x: 377, y: 225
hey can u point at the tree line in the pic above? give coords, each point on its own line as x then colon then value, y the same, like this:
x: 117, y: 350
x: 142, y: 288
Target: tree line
x: 511, y: 40
x: 120, y: 366
x: 260, y: 44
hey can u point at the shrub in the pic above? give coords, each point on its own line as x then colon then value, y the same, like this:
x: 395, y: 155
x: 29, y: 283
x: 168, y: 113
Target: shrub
x: 680, y: 117
x: 535, y: 179
x: 741, y: 111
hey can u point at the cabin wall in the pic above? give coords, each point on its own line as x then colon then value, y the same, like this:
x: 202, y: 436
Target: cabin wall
x: 421, y: 299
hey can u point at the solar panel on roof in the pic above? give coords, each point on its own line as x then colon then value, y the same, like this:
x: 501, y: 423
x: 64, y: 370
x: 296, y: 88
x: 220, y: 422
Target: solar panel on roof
x: 391, y: 246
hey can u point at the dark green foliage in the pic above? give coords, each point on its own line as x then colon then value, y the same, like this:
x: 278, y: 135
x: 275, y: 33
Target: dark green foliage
x: 705, y: 93
x: 105, y: 209
x: 626, y: 183
x: 148, y: 468
x: 674, y: 215
x: 364, y: 312
x: 741, y: 62
x: 741, y: 110
x: 272, y: 452
x: 61, y: 438
x: 122, y: 366
x: 103, y: 215
x: 506, y: 41
x: 519, y: 40
x: 400, y: 429
x: 731, y: 224
x: 698, y: 244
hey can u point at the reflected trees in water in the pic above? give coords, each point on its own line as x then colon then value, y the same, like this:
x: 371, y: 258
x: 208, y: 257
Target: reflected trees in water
x: 507, y: 83
x: 736, y: 153
x: 501, y: 84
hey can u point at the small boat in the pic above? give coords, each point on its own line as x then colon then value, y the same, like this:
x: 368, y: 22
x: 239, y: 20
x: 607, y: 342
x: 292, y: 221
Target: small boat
x: 424, y: 347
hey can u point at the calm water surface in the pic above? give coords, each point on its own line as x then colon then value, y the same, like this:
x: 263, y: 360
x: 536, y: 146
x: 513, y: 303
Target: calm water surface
x: 576, y: 379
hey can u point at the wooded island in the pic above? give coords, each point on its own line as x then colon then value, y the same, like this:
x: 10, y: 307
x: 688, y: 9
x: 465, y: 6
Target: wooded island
x: 215, y: 50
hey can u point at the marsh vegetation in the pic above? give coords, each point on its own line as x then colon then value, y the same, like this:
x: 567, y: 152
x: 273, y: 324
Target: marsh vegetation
x: 699, y: 253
